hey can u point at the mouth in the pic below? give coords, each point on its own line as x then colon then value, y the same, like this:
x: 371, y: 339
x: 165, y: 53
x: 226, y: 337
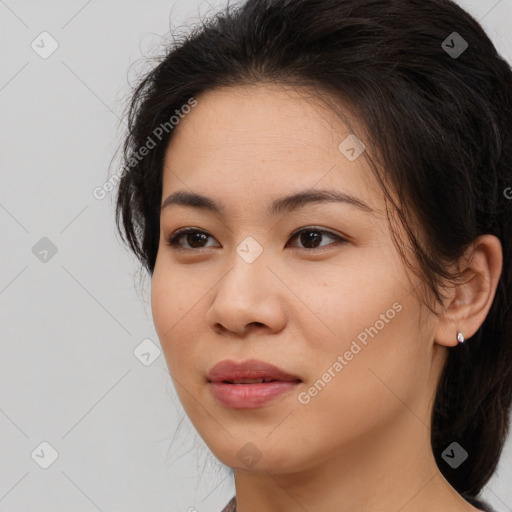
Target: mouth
x: 249, y: 384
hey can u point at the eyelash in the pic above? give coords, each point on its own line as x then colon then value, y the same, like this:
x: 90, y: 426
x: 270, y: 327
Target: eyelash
x: 177, y: 235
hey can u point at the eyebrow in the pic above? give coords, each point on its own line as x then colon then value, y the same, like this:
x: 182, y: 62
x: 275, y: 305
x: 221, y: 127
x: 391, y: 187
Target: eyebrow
x: 278, y: 206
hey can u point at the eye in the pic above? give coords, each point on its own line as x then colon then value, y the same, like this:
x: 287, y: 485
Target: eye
x: 197, y: 239
x: 309, y: 236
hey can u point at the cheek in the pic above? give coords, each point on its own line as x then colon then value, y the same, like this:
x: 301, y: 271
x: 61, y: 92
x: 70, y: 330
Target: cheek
x: 375, y: 384
x: 365, y: 347
x: 349, y: 300
x: 174, y: 305
x: 380, y: 379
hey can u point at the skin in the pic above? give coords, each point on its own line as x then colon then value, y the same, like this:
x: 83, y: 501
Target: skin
x: 362, y: 444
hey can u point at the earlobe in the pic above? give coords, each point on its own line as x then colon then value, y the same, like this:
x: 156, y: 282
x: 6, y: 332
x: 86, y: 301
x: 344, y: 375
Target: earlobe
x: 471, y: 298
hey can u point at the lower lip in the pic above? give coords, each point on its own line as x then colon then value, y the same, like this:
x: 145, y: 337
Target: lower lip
x: 250, y: 396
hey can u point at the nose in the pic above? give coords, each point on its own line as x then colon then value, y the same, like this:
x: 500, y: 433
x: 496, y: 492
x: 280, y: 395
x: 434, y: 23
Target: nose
x: 249, y: 298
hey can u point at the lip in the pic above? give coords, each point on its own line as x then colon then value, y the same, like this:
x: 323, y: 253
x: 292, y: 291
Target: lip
x: 229, y: 370
x: 249, y: 396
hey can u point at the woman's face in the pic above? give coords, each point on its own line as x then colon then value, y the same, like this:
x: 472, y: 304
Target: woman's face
x: 338, y: 313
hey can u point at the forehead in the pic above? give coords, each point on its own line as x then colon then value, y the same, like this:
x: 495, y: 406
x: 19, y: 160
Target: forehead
x: 251, y: 142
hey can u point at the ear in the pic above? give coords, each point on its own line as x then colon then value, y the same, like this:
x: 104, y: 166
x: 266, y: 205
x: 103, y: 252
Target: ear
x: 469, y: 300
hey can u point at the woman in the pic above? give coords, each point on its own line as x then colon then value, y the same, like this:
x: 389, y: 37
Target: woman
x: 320, y: 191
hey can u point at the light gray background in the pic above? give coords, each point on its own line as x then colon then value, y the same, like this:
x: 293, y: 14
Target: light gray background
x: 69, y: 326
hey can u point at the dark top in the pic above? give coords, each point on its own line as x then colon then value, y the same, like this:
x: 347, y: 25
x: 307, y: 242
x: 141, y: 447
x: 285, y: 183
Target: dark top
x: 231, y: 506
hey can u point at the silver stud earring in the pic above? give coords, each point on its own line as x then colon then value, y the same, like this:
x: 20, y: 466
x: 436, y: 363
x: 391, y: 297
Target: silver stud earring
x: 460, y: 337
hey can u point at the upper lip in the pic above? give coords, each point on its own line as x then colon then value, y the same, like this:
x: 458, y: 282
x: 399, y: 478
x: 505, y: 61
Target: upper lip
x: 231, y: 371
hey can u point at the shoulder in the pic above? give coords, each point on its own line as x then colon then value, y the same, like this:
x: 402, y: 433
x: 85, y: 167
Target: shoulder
x: 231, y: 506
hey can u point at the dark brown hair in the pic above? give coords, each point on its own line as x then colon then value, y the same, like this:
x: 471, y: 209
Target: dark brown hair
x: 439, y: 124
